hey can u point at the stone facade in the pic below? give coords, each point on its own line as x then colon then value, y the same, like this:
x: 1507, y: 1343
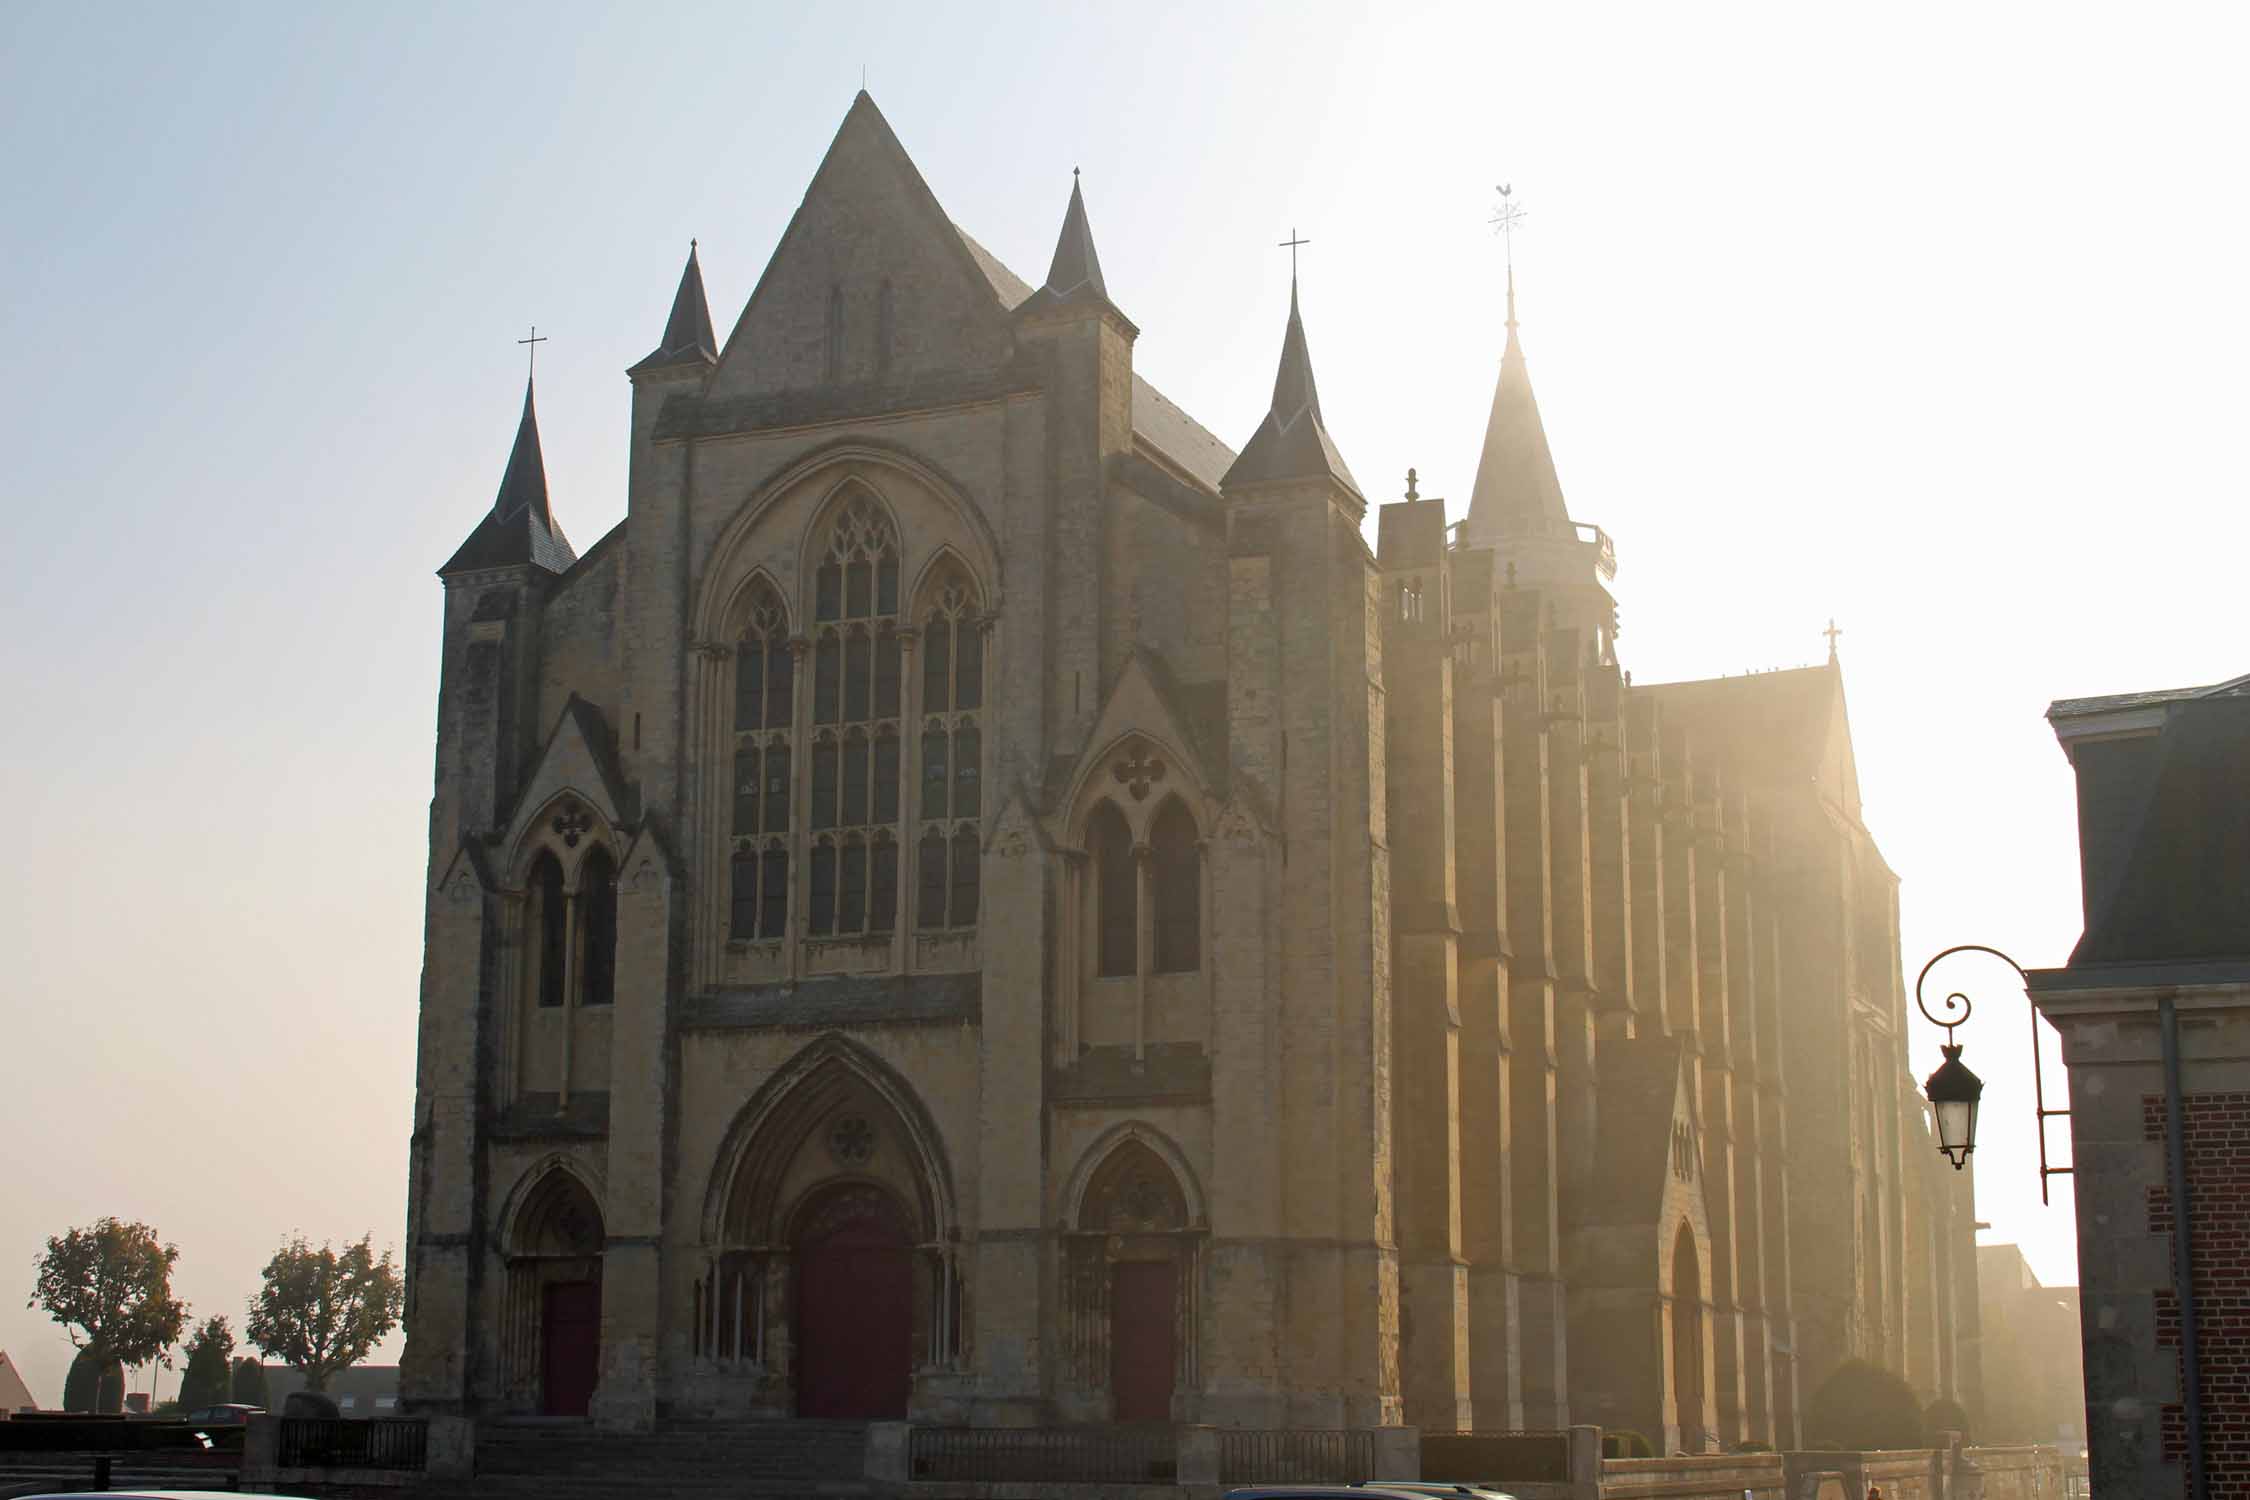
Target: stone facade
x: 975, y: 870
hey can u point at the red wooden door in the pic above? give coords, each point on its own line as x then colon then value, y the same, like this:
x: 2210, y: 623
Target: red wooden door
x: 570, y: 1345
x: 1143, y: 1348
x: 855, y: 1321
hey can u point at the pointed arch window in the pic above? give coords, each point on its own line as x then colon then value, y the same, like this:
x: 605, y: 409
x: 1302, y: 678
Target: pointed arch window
x: 765, y: 693
x: 857, y: 725
x: 1117, y: 916
x: 950, y: 800
x: 550, y: 919
x: 1176, y: 889
x: 597, y: 887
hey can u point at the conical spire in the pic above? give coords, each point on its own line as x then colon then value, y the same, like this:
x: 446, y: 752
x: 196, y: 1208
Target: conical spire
x: 687, y: 333
x: 1292, y: 442
x: 1075, y: 264
x: 1516, y: 475
x: 1074, y: 277
x: 520, y: 527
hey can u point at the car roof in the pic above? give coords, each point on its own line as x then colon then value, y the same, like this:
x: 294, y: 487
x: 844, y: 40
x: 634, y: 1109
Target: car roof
x: 157, y: 1495
x: 1318, y: 1492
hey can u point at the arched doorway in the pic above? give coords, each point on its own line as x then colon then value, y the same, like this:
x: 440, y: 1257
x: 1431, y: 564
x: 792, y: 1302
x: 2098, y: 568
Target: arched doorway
x: 552, y: 1319
x: 831, y: 1276
x: 1687, y: 1342
x: 1133, y: 1283
x: 855, y: 1304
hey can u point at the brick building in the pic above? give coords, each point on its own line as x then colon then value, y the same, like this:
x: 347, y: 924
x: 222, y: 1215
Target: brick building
x: 2154, y: 1012
x: 978, y: 900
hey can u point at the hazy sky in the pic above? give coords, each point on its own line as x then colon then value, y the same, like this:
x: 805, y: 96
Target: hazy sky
x: 1930, y: 319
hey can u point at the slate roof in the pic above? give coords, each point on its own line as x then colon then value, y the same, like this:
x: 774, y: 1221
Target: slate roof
x: 1775, y: 726
x: 2178, y: 893
x: 2070, y: 708
x: 1074, y: 276
x: 1292, y: 442
x: 520, y: 527
x: 687, y: 333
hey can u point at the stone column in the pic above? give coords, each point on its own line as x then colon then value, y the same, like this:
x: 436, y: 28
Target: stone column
x: 1712, y: 896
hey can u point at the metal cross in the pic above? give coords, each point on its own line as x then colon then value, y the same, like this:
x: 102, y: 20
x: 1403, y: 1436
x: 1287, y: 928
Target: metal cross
x: 535, y: 340
x: 1290, y: 244
x: 1832, y: 632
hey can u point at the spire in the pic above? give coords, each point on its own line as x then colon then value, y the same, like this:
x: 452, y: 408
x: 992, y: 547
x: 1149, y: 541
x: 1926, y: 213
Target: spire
x: 1074, y: 278
x: 687, y: 333
x: 520, y: 527
x: 1516, y: 475
x: 1293, y: 441
x: 1075, y: 264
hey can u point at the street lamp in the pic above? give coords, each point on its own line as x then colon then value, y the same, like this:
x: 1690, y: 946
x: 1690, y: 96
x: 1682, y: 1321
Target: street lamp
x: 1953, y: 1091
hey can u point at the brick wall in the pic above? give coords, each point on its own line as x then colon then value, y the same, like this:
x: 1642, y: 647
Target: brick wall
x: 2217, y: 1130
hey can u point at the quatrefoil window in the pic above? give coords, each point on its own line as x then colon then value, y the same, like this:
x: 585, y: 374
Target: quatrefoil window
x: 572, y: 823
x: 1137, y: 771
x: 851, y: 1140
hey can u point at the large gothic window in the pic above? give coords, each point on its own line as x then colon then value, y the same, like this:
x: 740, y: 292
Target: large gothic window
x: 951, y: 799
x: 765, y: 681
x: 856, y: 727
x: 1176, y: 890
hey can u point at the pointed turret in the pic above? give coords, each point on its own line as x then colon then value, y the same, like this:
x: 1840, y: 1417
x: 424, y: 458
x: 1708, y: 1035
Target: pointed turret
x: 687, y: 333
x: 1516, y: 475
x: 1292, y: 442
x: 520, y: 528
x: 1074, y: 277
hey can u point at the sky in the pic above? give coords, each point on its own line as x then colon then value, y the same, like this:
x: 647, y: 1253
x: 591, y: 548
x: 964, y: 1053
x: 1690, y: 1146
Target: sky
x: 1927, y: 319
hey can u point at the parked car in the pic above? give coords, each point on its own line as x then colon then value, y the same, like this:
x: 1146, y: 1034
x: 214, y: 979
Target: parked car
x: 1432, y: 1487
x: 226, y: 1414
x: 1332, y: 1491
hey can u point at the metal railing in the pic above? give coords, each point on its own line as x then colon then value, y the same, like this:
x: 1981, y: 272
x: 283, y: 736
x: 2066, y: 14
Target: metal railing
x: 1051, y: 1455
x: 1259, y: 1455
x: 346, y: 1443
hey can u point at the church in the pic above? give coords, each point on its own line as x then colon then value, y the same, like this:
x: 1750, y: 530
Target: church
x: 979, y: 903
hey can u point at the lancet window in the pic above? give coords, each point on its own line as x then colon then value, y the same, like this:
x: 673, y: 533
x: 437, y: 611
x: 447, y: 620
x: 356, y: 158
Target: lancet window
x: 856, y: 731
x: 1117, y: 915
x: 1176, y: 889
x: 550, y: 919
x: 951, y: 796
x: 765, y: 679
x: 597, y: 888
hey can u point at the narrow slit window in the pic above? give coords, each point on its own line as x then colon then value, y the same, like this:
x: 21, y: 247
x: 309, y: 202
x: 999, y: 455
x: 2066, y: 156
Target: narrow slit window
x: 773, y: 893
x: 968, y: 867
x: 823, y: 890
x: 929, y: 893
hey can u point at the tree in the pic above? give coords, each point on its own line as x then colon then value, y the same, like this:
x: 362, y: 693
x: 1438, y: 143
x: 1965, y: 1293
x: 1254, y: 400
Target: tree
x: 111, y: 1288
x: 1865, y: 1407
x: 320, y: 1311
x: 94, y: 1384
x: 250, y: 1382
x: 209, y: 1365
x: 1946, y: 1415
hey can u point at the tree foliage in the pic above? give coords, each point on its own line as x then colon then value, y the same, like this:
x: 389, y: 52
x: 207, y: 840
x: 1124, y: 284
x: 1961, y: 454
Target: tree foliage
x: 94, y: 1384
x: 249, y: 1386
x: 110, y: 1287
x: 320, y: 1311
x: 1864, y: 1407
x: 1946, y: 1415
x: 210, y: 1354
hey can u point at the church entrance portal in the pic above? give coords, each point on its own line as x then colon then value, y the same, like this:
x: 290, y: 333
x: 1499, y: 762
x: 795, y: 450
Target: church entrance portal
x: 855, y: 1306
x: 570, y: 1338
x: 1144, y: 1311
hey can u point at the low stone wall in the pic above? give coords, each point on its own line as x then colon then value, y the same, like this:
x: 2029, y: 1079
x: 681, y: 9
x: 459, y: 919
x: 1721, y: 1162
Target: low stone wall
x: 2019, y: 1473
x: 1731, y: 1476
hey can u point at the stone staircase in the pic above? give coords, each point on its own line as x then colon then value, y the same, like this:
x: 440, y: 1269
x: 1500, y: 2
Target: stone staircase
x: 688, y: 1460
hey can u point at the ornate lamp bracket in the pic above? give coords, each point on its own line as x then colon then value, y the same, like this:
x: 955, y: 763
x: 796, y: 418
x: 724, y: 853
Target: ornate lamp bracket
x: 1956, y: 1001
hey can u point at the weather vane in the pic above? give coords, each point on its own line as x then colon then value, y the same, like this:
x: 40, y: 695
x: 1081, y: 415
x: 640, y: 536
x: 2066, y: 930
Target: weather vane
x: 1505, y: 217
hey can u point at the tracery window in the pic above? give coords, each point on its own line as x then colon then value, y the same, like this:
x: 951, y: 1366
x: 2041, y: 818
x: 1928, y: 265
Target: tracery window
x: 765, y: 682
x: 856, y: 727
x: 951, y: 800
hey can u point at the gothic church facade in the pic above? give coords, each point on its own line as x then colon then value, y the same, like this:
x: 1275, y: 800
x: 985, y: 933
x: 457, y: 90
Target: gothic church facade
x: 978, y: 902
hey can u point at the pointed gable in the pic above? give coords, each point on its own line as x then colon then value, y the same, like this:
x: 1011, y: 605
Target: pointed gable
x: 870, y: 281
x: 688, y: 339
x: 1292, y: 442
x: 578, y: 759
x: 1516, y: 473
x: 520, y: 528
